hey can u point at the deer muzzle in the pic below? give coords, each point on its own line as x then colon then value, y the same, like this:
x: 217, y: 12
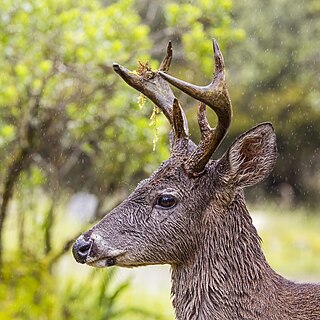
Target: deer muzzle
x: 91, y: 249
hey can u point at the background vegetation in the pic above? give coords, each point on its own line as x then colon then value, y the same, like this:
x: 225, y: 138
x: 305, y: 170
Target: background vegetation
x: 69, y: 125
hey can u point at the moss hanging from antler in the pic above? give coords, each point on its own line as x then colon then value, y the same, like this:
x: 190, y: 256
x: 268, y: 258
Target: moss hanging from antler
x: 144, y: 70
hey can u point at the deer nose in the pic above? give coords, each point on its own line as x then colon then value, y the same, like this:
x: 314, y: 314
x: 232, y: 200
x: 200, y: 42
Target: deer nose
x: 81, y: 249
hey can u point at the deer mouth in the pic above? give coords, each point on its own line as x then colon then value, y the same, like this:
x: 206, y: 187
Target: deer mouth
x: 110, y: 259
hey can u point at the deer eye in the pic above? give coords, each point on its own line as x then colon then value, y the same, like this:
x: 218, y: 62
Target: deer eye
x: 166, y: 201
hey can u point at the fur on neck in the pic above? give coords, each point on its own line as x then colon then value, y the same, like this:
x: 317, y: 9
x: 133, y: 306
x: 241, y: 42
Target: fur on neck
x: 228, y: 273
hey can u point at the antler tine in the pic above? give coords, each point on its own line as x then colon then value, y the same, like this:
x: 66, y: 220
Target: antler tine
x: 181, y: 138
x: 153, y: 86
x: 216, y: 96
x: 166, y: 62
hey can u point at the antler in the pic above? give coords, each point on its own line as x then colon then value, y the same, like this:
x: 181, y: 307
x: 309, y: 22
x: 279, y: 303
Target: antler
x: 216, y: 96
x: 152, y: 85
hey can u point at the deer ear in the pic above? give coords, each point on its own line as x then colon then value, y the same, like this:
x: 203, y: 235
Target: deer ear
x: 252, y: 155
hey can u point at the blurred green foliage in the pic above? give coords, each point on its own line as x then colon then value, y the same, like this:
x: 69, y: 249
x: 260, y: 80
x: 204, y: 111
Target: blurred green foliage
x: 274, y: 77
x: 61, y: 54
x: 29, y: 291
x: 290, y: 240
x: 69, y: 124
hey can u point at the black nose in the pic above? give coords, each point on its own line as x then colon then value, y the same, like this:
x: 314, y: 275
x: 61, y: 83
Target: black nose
x: 81, y: 249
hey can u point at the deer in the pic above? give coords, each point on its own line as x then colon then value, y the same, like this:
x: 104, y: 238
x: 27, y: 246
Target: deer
x: 191, y: 212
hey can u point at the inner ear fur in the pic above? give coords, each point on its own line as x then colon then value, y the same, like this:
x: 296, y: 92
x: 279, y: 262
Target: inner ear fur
x: 251, y: 157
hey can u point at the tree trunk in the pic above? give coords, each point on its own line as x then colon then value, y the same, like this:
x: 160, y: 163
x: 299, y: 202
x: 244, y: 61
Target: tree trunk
x: 11, y: 178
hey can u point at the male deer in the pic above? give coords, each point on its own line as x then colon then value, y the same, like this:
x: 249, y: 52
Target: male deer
x: 191, y: 214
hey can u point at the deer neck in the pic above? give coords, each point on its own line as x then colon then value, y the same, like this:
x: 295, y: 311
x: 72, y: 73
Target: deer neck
x: 228, y: 273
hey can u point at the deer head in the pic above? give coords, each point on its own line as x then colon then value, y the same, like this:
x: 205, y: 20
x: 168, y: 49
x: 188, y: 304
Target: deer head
x: 164, y: 219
